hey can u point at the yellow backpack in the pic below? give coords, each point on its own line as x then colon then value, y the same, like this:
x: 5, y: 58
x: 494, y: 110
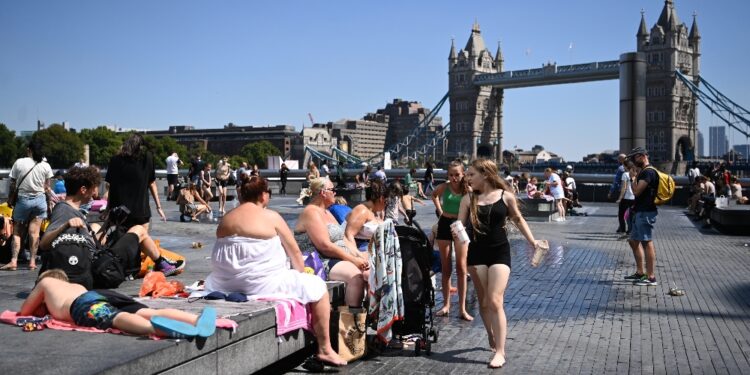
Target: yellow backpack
x: 665, y: 189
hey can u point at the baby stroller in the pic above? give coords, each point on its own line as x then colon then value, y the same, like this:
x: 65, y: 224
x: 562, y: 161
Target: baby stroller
x: 418, y: 293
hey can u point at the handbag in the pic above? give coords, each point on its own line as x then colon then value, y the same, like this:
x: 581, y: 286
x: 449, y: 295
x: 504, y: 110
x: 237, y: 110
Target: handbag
x: 314, y: 265
x: 722, y: 202
x: 352, y: 333
x: 13, y: 194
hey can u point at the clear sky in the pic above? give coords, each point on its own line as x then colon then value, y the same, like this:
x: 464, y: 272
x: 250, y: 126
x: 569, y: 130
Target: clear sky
x: 152, y: 64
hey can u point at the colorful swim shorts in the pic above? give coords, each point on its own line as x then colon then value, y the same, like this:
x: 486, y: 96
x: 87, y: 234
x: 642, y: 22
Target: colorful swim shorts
x: 91, y: 309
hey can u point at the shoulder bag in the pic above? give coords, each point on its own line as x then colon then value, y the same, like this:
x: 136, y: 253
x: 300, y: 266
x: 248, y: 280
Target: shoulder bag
x: 13, y: 194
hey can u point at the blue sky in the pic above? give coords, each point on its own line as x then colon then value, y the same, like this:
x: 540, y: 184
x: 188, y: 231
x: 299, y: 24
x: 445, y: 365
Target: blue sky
x: 152, y: 64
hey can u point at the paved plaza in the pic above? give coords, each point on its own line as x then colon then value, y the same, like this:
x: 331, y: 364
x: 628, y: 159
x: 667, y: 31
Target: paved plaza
x: 573, y: 314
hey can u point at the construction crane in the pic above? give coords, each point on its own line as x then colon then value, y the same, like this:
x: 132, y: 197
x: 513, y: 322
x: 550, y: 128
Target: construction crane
x: 312, y: 122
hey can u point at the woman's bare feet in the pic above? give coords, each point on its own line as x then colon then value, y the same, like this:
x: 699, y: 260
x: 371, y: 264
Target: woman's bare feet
x: 331, y: 358
x: 465, y: 316
x: 444, y: 311
x: 491, y: 339
x: 498, y: 360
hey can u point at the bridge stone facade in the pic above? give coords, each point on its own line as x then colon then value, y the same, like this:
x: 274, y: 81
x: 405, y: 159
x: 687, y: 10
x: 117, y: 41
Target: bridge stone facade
x: 671, y: 109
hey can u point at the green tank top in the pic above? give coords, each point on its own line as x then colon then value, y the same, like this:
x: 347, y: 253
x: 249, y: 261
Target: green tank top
x: 451, y: 201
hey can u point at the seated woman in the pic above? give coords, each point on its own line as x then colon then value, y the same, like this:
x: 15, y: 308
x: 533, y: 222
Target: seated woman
x: 412, y: 184
x: 191, y: 203
x: 250, y: 257
x: 317, y: 229
x: 364, y: 219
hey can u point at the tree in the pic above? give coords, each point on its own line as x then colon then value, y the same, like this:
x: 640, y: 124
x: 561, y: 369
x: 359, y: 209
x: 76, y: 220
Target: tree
x: 8, y: 146
x: 61, y: 147
x: 258, y: 152
x: 163, y: 147
x: 103, y: 144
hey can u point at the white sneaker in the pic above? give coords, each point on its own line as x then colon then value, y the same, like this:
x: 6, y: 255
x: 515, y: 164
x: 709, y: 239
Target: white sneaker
x: 559, y: 219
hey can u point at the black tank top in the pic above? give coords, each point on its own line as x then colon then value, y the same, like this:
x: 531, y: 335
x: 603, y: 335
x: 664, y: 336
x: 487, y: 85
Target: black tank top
x: 492, y: 224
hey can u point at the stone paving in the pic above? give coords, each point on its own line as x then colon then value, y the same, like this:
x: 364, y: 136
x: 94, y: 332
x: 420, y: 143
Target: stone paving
x: 573, y: 314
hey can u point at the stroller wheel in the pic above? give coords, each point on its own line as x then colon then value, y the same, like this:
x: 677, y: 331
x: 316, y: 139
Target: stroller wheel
x: 428, y: 347
x: 418, y: 347
x: 434, y: 334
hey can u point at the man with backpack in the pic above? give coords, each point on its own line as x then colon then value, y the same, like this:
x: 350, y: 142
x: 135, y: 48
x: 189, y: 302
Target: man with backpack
x: 649, y: 190
x: 69, y: 240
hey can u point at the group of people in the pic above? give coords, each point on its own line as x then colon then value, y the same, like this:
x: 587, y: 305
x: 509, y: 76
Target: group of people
x: 130, y: 178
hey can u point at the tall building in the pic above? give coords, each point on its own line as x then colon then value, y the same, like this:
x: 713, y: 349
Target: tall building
x: 718, y: 144
x: 699, y: 150
x: 671, y: 109
x: 743, y: 150
x: 476, y: 111
x: 362, y: 138
x: 403, y: 117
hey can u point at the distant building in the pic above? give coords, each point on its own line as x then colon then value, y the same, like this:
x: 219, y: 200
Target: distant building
x: 230, y: 139
x: 403, y: 117
x: 362, y: 138
x: 718, y: 145
x: 743, y: 150
x: 536, y: 155
x: 699, y: 145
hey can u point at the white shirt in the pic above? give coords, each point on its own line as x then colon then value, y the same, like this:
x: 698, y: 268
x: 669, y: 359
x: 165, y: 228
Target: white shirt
x: 628, y: 187
x: 172, y: 164
x: 556, y: 191
x: 570, y: 183
x: 33, y: 184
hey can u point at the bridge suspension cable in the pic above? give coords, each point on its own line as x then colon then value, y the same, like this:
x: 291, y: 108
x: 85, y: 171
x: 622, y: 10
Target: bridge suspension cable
x: 400, y: 147
x: 719, y: 104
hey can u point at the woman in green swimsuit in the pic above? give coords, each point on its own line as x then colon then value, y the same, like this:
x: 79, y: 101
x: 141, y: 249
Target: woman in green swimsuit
x: 447, y: 198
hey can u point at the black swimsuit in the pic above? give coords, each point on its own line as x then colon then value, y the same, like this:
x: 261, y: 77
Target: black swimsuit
x: 491, y: 246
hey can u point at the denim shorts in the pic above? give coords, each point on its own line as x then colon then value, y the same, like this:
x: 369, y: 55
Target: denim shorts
x: 30, y: 207
x: 643, y: 224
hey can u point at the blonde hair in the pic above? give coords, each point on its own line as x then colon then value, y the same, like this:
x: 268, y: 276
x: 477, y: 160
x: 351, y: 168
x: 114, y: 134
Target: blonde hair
x: 488, y: 169
x: 53, y: 273
x: 341, y: 200
x: 317, y: 185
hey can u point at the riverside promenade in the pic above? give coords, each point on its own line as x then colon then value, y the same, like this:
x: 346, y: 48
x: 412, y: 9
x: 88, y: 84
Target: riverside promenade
x: 573, y: 314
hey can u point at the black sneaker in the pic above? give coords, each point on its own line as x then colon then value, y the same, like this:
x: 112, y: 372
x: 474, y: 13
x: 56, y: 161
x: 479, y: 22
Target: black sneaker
x: 647, y: 282
x: 635, y: 277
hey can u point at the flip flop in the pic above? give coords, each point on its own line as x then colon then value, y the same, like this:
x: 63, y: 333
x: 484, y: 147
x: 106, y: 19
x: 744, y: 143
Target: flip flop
x: 8, y: 267
x: 174, y: 328
x: 207, y: 322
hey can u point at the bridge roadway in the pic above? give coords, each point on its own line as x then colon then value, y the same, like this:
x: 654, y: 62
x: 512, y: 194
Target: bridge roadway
x: 573, y: 314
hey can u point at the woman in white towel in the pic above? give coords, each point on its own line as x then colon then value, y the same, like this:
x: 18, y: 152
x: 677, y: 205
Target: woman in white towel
x: 250, y: 257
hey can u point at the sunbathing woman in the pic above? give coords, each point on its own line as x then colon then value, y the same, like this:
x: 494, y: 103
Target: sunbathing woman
x: 250, y: 255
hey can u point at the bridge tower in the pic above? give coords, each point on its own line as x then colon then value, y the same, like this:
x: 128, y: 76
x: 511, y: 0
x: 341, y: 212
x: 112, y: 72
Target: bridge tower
x: 671, y: 109
x: 476, y: 111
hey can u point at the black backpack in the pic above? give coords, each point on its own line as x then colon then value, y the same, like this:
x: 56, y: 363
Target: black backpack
x: 107, y: 269
x: 71, y: 253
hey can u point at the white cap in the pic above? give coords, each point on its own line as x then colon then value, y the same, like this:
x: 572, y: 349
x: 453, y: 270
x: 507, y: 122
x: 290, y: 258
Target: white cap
x: 569, y: 167
x: 364, y: 164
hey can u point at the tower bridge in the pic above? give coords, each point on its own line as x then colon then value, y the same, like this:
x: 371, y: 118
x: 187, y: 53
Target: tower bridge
x: 657, y: 110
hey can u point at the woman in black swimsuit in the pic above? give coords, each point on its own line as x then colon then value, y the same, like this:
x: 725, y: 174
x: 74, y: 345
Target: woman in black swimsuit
x: 484, y: 212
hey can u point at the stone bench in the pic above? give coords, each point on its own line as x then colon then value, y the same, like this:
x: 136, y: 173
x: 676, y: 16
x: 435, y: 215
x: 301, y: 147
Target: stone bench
x: 539, y: 210
x: 251, y: 348
x: 733, y: 219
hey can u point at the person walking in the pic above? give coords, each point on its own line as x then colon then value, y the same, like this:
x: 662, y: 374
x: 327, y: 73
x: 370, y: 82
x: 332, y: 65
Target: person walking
x: 429, y: 178
x: 554, y: 183
x: 31, y: 176
x: 447, y: 198
x: 486, y: 211
x: 130, y: 177
x: 626, y: 198
x: 615, y: 188
x: 283, y: 177
x: 223, y: 170
x: 641, y: 236
x: 173, y: 164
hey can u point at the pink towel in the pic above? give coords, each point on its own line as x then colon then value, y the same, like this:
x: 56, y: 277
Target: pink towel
x: 9, y: 317
x: 291, y: 315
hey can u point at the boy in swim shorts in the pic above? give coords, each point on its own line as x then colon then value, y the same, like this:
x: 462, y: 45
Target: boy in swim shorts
x: 104, y: 309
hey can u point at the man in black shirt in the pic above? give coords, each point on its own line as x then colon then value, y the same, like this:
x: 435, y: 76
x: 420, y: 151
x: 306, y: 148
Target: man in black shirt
x: 643, y: 219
